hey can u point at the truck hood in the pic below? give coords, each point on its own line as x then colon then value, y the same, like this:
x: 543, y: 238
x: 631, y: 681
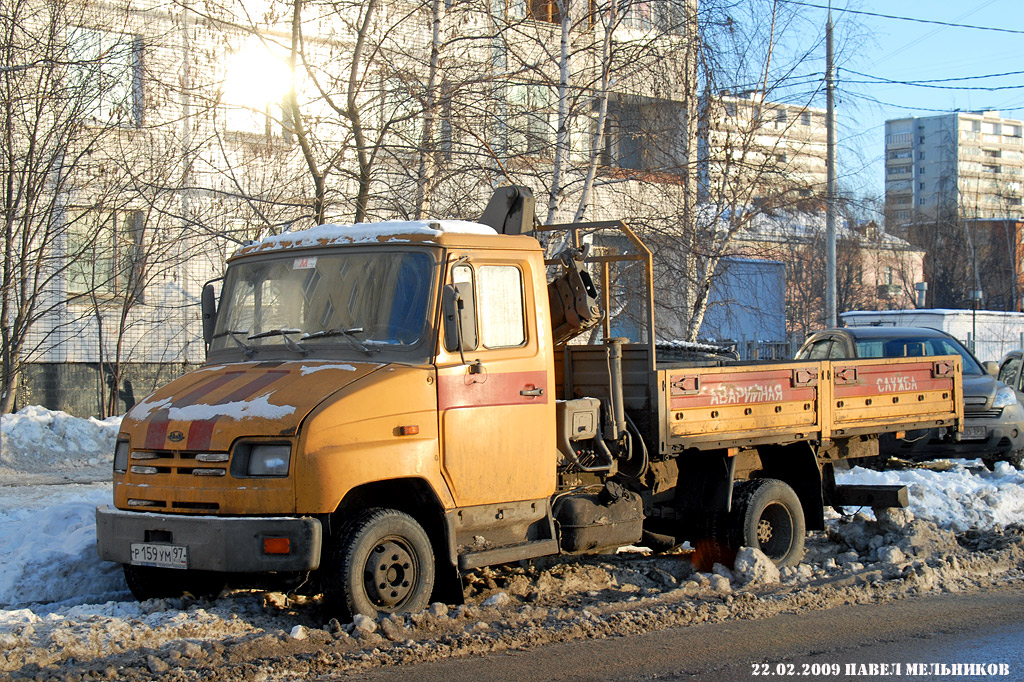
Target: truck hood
x: 209, y: 408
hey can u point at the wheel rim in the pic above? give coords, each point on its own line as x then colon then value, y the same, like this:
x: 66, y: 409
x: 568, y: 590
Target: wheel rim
x: 390, y: 573
x: 774, y: 531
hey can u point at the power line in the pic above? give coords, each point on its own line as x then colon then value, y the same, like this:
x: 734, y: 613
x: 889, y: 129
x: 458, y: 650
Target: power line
x: 875, y: 100
x: 930, y: 84
x: 946, y: 80
x: 898, y: 18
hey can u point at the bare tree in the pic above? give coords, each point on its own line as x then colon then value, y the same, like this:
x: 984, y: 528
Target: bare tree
x: 64, y: 91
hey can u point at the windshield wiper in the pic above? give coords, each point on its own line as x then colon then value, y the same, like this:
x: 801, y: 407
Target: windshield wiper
x: 283, y: 333
x: 347, y: 334
x: 230, y: 333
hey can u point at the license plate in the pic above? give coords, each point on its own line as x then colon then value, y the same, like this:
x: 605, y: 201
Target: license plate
x: 163, y: 556
x: 974, y: 433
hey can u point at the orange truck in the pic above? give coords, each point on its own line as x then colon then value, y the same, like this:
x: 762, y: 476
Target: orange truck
x: 387, y: 406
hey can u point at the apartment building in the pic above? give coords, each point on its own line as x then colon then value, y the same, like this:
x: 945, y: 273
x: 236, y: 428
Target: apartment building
x: 771, y: 150
x: 967, y: 165
x: 201, y: 135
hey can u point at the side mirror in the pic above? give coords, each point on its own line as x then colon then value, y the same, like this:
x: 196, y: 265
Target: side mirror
x: 459, y: 310
x: 991, y: 367
x: 209, y: 301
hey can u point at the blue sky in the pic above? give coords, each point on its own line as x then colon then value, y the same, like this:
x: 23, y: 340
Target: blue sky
x: 910, y: 51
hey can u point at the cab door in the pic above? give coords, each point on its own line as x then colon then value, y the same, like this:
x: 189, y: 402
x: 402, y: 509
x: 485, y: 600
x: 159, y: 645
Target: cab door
x: 495, y: 398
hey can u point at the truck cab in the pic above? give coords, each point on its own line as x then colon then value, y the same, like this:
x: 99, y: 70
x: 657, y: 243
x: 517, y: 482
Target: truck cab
x: 336, y: 381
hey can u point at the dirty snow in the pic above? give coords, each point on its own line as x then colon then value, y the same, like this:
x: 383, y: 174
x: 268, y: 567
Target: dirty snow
x: 66, y: 615
x: 256, y: 408
x: 309, y: 369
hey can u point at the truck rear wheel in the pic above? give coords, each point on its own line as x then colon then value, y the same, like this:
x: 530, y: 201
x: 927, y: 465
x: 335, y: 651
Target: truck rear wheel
x: 382, y: 563
x: 147, y: 582
x: 767, y: 515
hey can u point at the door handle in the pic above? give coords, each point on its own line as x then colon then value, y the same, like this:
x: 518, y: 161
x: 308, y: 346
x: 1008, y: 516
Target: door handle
x: 532, y: 392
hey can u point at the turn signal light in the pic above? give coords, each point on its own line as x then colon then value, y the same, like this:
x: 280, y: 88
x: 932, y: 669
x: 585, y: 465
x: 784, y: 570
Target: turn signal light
x: 411, y: 430
x: 277, y: 545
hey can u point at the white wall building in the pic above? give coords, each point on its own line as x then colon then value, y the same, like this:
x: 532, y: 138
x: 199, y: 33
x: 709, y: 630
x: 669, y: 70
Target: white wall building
x: 964, y: 164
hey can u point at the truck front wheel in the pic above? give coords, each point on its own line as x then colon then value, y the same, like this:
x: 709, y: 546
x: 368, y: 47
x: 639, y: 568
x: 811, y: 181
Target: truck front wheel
x: 146, y: 582
x: 382, y: 563
x: 767, y: 515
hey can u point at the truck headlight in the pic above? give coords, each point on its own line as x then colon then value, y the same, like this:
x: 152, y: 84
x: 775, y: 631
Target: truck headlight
x: 121, y: 451
x: 1005, y: 397
x: 261, y: 460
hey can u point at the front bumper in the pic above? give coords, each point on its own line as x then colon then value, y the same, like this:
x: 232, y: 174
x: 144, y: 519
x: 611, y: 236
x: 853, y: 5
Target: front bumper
x: 1004, y: 435
x: 224, y: 545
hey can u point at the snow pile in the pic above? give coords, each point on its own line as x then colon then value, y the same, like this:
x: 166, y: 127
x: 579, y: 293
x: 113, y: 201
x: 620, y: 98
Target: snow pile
x: 37, y: 440
x: 48, y: 553
x: 963, y: 496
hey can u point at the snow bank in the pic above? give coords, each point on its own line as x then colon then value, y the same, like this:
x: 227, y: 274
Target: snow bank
x: 964, y: 496
x: 37, y: 440
x: 48, y: 547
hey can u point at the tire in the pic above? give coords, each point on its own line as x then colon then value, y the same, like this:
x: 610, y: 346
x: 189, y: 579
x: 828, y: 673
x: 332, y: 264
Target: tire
x: 381, y: 563
x: 146, y: 582
x: 767, y: 515
x: 712, y: 544
x: 1015, y: 458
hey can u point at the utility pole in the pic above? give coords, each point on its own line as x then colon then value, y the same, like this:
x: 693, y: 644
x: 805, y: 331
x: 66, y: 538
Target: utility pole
x: 830, y: 191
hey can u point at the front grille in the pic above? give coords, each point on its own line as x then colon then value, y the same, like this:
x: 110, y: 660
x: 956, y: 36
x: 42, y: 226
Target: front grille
x: 979, y: 412
x: 157, y: 462
x: 159, y: 468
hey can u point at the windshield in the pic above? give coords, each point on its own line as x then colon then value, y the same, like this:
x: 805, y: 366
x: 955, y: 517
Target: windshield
x: 912, y: 346
x: 363, y: 301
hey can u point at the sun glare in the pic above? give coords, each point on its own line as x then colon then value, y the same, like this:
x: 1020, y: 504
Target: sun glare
x: 256, y: 76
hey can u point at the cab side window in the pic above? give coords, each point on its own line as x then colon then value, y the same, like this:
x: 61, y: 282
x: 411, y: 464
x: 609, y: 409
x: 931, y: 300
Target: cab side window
x: 501, y: 309
x: 1009, y: 373
x: 819, y: 350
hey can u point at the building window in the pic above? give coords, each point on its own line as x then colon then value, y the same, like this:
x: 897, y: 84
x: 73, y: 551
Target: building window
x: 805, y: 118
x: 104, y: 252
x: 255, y: 85
x: 531, y: 131
x: 899, y: 170
x: 730, y: 109
x: 920, y: 170
x: 107, y: 67
x: 780, y: 116
x: 543, y: 10
x: 637, y: 133
x: 399, y: 115
x: 920, y: 186
x: 921, y: 139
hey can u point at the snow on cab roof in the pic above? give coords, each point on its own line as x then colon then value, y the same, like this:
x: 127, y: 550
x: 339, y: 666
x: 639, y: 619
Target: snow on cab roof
x: 324, y: 235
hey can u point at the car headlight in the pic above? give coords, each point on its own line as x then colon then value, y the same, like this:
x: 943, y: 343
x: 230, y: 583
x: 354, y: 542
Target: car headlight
x: 1005, y: 396
x: 261, y: 460
x: 121, y: 452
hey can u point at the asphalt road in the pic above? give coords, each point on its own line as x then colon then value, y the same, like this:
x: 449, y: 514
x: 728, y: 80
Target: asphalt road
x: 982, y: 628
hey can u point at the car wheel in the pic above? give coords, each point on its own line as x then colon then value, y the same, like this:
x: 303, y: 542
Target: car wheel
x: 767, y: 515
x: 1016, y: 460
x: 382, y: 563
